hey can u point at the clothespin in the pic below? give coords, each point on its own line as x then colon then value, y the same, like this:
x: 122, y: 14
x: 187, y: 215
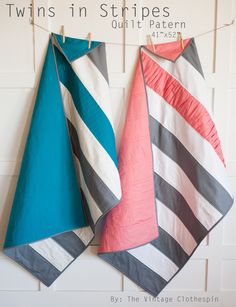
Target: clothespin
x: 180, y: 38
x: 89, y: 40
x: 63, y: 34
x: 149, y: 40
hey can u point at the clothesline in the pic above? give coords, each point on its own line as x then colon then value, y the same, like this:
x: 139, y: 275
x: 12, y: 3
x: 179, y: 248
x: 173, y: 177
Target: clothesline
x: 129, y: 44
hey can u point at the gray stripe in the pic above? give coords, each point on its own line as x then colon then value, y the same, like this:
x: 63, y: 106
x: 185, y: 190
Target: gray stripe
x: 87, y: 212
x: 170, y: 247
x: 102, y: 195
x: 32, y: 261
x: 70, y: 242
x: 191, y: 55
x: 171, y: 198
x: 203, y: 181
x: 98, y: 57
x: 136, y: 271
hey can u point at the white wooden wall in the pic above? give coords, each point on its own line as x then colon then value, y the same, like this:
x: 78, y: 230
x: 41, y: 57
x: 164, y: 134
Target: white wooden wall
x: 89, y: 281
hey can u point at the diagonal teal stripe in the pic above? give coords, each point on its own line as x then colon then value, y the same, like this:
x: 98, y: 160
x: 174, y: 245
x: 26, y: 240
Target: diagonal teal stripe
x: 87, y: 107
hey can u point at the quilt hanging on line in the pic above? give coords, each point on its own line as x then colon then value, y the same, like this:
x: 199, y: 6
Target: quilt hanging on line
x: 170, y: 150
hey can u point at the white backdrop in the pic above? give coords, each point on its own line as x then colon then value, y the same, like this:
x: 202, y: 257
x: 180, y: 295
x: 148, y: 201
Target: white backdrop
x: 211, y: 272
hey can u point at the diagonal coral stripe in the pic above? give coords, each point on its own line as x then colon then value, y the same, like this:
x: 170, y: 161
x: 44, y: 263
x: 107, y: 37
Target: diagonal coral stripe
x: 179, y: 98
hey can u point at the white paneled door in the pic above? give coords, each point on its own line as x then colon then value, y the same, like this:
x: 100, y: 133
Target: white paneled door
x: 209, y: 278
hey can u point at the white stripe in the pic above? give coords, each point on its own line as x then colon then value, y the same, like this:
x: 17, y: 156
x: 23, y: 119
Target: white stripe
x: 85, y: 234
x: 199, y: 148
x: 174, y: 175
x: 187, y: 76
x: 94, y: 152
x: 93, y: 207
x: 95, y: 83
x: 155, y: 260
x: 53, y: 252
x: 170, y: 222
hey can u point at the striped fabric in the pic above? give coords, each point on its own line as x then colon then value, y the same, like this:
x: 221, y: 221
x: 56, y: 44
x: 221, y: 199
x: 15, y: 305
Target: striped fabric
x: 69, y: 175
x: 190, y: 185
